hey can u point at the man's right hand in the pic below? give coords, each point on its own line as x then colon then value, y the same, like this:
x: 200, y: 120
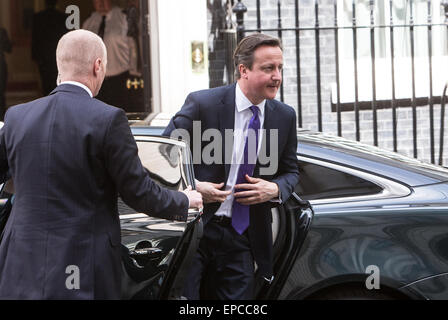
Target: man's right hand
x: 211, y: 191
x: 194, y: 198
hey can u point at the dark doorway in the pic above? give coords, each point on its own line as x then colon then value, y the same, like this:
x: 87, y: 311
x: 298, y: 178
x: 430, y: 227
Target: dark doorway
x: 24, y: 81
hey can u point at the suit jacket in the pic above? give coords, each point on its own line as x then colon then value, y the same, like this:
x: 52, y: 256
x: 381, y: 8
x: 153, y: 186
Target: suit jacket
x: 70, y: 156
x: 215, y: 108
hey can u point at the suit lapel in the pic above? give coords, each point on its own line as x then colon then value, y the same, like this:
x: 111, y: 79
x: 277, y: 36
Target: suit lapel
x: 226, y: 116
x: 269, y: 123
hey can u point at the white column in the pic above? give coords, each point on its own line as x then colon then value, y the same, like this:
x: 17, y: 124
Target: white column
x: 175, y: 24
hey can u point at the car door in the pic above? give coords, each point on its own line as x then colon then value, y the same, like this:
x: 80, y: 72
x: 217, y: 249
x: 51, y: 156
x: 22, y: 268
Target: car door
x: 291, y: 222
x: 6, y: 190
x: 6, y: 193
x: 157, y: 252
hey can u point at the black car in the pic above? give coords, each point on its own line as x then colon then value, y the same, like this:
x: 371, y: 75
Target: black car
x: 363, y: 223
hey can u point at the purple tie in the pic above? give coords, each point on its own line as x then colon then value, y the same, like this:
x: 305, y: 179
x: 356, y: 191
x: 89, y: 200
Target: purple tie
x: 240, y: 212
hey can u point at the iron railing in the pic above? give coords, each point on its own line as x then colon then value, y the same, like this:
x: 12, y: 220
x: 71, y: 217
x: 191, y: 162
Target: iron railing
x: 373, y: 26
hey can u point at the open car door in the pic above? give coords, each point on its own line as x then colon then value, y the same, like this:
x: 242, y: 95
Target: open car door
x: 6, y: 194
x: 6, y: 191
x: 291, y: 222
x: 156, y: 253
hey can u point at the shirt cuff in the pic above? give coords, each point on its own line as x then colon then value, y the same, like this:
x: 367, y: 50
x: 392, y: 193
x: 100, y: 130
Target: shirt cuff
x: 279, y: 198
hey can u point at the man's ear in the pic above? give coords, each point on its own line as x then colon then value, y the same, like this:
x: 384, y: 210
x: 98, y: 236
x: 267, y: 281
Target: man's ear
x: 243, y: 71
x: 97, y: 66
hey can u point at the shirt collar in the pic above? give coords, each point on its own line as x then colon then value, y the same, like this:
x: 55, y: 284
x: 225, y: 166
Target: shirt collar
x: 78, y: 84
x: 242, y: 103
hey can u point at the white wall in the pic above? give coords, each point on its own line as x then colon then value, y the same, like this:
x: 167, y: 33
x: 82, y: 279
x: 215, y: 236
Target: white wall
x: 174, y: 25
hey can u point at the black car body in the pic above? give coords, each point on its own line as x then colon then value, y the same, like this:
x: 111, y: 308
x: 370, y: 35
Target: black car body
x: 374, y: 209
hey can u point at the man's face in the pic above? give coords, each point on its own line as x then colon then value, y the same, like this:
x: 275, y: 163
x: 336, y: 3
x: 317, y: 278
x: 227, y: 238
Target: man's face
x: 264, y: 79
x: 102, y: 6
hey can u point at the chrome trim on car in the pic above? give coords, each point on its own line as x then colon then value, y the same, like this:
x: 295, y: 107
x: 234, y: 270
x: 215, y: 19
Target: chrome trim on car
x: 192, y: 214
x: 391, y: 189
x: 133, y: 216
x: 179, y: 143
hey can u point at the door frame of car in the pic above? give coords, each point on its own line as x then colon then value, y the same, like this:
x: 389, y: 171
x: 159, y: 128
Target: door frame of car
x: 178, y: 270
x: 294, y: 219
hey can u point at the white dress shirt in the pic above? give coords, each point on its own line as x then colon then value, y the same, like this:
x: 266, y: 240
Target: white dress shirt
x: 118, y: 44
x: 243, y: 114
x: 78, y: 84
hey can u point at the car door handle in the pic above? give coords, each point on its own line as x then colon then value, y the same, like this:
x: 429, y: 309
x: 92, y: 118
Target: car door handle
x: 152, y: 253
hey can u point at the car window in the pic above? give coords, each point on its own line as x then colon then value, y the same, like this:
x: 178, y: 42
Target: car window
x: 363, y: 155
x: 163, y: 163
x: 320, y: 182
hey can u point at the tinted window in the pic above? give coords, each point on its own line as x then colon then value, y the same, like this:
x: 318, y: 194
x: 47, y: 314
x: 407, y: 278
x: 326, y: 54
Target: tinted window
x: 319, y: 182
x: 409, y: 170
x: 163, y: 163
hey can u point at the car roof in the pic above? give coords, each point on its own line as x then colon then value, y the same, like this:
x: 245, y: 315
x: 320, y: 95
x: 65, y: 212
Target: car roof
x: 368, y: 158
x: 356, y: 155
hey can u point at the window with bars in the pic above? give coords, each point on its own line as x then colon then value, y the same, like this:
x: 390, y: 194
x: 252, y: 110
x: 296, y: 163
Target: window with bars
x: 403, y: 43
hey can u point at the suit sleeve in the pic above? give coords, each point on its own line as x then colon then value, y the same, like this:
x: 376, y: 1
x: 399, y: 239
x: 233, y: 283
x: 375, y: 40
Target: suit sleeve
x: 288, y: 171
x: 131, y: 179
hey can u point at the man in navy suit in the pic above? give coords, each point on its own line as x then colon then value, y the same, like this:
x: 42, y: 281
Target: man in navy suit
x: 238, y: 197
x: 70, y: 156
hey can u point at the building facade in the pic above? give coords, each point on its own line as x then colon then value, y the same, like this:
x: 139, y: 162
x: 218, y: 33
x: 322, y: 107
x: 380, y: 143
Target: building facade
x: 386, y: 92
x: 176, y: 51
x: 326, y: 69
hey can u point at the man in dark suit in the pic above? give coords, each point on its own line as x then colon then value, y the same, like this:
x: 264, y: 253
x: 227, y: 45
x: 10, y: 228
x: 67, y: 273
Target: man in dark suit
x: 48, y: 28
x: 70, y: 156
x: 239, y: 194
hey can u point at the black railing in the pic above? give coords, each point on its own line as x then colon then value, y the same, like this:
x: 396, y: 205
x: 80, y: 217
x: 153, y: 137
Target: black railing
x: 372, y: 26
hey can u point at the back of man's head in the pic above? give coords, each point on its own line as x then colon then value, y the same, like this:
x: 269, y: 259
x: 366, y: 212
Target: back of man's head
x: 76, y: 54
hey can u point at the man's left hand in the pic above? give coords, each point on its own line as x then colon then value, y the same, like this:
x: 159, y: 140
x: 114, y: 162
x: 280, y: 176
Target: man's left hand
x: 256, y: 191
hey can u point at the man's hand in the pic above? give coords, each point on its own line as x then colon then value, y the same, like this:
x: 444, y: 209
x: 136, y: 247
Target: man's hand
x: 194, y: 197
x: 256, y: 191
x: 211, y: 191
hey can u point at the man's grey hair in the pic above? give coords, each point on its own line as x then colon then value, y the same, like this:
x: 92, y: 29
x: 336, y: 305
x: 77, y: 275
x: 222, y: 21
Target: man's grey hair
x: 76, y: 53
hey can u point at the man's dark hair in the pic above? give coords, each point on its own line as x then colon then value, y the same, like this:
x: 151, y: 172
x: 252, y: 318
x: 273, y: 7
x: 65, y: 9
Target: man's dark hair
x: 51, y: 3
x: 244, y: 52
